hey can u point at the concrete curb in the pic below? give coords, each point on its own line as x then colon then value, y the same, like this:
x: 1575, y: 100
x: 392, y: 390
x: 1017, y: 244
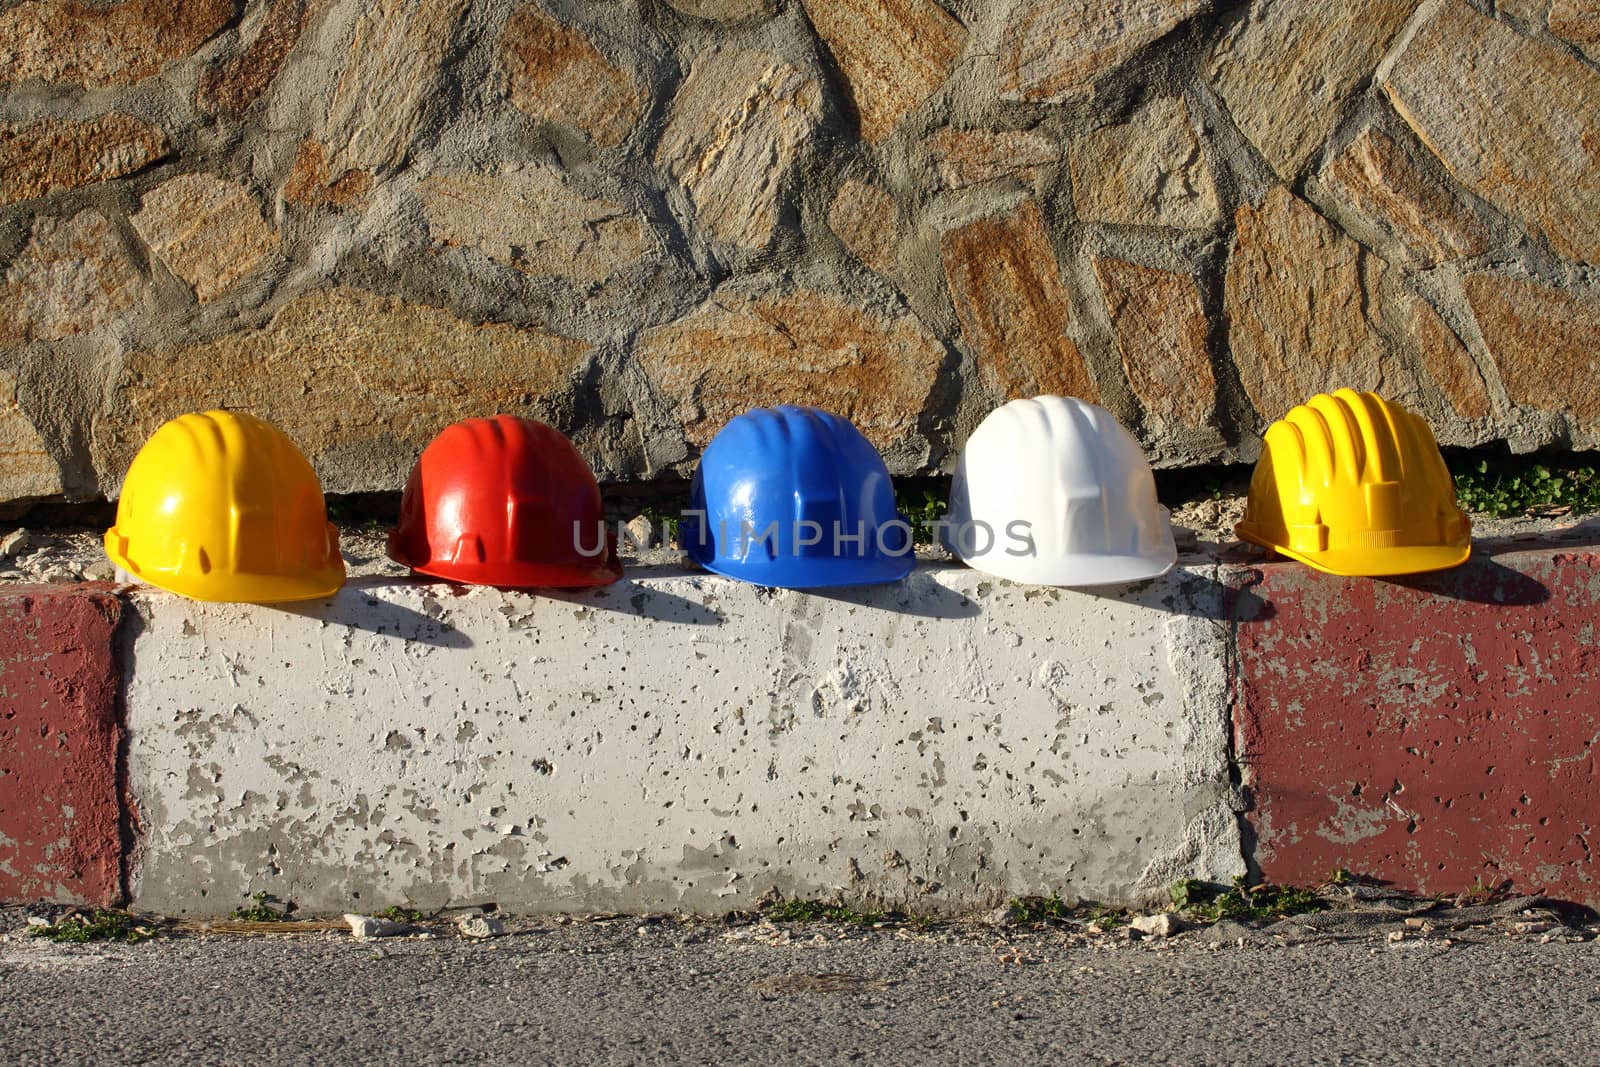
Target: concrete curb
x: 680, y: 740
x: 1438, y: 732
x: 684, y: 741
x: 60, y: 801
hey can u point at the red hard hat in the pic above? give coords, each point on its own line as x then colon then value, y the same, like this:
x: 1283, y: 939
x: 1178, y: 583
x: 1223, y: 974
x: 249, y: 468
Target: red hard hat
x: 505, y: 501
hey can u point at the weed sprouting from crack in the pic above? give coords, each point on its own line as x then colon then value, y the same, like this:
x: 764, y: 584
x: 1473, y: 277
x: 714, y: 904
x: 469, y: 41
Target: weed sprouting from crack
x: 103, y: 925
x: 1209, y: 902
x: 814, y: 911
x: 260, y: 911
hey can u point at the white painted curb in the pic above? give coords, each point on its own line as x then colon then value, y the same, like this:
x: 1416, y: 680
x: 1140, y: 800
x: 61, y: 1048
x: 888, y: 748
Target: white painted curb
x: 681, y: 741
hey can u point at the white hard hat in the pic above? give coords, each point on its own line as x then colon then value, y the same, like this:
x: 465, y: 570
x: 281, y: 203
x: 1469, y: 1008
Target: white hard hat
x: 1054, y: 491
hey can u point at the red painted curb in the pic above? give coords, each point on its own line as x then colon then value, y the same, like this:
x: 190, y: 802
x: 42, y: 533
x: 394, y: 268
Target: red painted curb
x: 59, y: 734
x: 1435, y: 732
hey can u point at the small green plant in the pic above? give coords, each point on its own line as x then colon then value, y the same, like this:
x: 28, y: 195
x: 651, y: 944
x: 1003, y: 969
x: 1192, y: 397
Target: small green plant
x: 1039, y: 909
x: 98, y: 926
x: 814, y: 911
x: 1209, y: 902
x: 1108, y: 919
x: 259, y: 911
x: 395, y: 913
x: 1484, y: 892
x: 1504, y: 488
x: 923, y: 508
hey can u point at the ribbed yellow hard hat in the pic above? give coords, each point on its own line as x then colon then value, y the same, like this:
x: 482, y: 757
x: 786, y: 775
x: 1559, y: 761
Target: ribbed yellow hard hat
x: 222, y: 506
x: 1354, y: 484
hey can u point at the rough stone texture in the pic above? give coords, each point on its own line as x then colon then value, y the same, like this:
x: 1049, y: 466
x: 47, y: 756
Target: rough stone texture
x: 360, y: 382
x: 208, y: 231
x: 24, y: 454
x: 531, y: 219
x: 388, y: 80
x: 232, y: 85
x: 863, y: 217
x: 73, y: 277
x: 1432, y: 731
x: 602, y: 169
x: 735, y: 128
x: 60, y: 806
x: 1310, y: 311
x: 1149, y: 171
x: 1443, y: 358
x: 726, y: 10
x: 1516, y: 121
x: 1377, y: 178
x: 968, y: 157
x: 1287, y: 70
x: 1051, y: 50
x: 894, y: 54
x: 1546, y: 343
x: 739, y: 351
x: 1578, y: 23
x: 42, y: 157
x: 750, y: 740
x: 1012, y: 305
x: 555, y: 73
x: 1161, y: 328
x: 118, y: 44
x: 312, y: 182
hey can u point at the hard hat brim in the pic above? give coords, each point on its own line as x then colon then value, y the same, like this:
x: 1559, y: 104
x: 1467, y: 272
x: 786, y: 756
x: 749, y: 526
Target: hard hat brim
x: 241, y: 588
x: 1371, y: 562
x: 1078, y: 571
x: 813, y: 572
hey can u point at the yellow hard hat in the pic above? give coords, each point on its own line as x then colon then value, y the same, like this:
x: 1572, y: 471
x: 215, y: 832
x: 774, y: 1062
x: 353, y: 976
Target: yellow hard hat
x: 1354, y: 484
x: 222, y: 506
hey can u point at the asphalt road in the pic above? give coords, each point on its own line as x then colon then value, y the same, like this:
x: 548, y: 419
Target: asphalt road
x: 617, y: 992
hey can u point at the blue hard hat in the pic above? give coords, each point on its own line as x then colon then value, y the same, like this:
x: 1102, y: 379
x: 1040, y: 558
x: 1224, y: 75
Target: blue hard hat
x: 796, y: 498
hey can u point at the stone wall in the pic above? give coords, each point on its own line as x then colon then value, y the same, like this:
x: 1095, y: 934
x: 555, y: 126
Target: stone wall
x: 636, y: 218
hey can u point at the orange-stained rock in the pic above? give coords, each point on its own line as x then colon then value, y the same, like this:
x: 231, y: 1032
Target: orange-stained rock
x: 1309, y: 311
x: 1161, y: 327
x: 311, y: 183
x: 73, y: 276
x: 894, y: 54
x: 1518, y: 122
x: 1286, y: 71
x: 1052, y: 50
x: 99, y: 45
x: 208, y: 231
x: 375, y: 109
x: 863, y: 217
x: 555, y: 73
x: 26, y: 466
x: 49, y: 154
x: 1546, y: 343
x: 740, y: 350
x: 1296, y: 301
x: 234, y: 84
x: 359, y: 379
x: 1377, y: 178
x: 1012, y: 306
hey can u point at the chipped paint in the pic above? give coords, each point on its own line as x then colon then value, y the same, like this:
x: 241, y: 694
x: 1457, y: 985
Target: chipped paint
x: 59, y: 800
x: 1433, y: 731
x: 682, y: 741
